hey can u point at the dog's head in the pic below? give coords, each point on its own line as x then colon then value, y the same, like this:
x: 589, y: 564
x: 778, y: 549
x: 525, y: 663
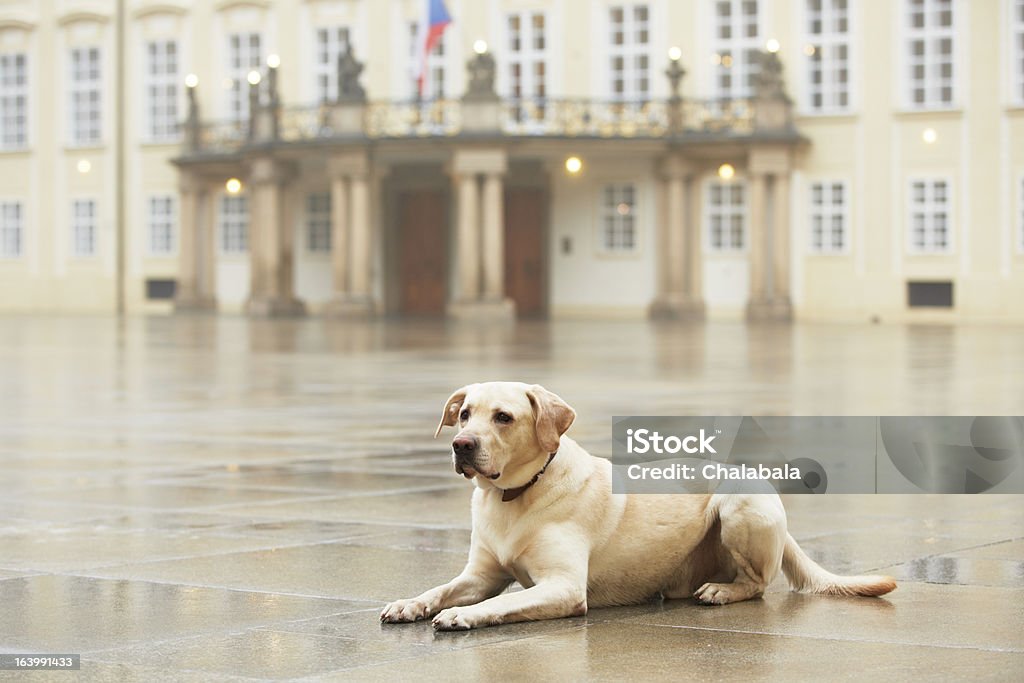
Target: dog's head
x: 505, y: 430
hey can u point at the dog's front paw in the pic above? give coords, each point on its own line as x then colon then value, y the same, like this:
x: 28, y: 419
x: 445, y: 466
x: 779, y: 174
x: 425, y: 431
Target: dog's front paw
x: 453, y: 619
x: 404, y: 611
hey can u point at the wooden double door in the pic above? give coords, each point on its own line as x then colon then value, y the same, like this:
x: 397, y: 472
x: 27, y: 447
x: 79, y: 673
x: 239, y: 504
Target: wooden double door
x: 423, y: 258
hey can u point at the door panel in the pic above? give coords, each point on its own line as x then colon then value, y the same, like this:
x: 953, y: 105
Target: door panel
x: 423, y: 252
x: 525, y: 275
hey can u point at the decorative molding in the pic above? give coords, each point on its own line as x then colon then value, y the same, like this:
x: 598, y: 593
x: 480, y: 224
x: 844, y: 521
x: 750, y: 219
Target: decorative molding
x: 17, y: 21
x: 159, y: 8
x: 224, y: 5
x: 83, y: 15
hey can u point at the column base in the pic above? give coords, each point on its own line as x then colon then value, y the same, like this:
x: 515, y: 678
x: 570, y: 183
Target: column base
x: 275, y: 307
x: 675, y: 307
x: 778, y: 310
x: 194, y: 303
x: 351, y: 308
x: 477, y: 310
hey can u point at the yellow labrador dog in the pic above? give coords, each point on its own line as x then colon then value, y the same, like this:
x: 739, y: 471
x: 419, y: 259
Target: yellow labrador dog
x: 544, y: 515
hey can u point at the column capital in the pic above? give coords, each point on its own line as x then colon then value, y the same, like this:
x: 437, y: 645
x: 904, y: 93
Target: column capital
x: 767, y: 160
x: 490, y: 161
x: 675, y: 166
x: 351, y: 164
x: 269, y: 170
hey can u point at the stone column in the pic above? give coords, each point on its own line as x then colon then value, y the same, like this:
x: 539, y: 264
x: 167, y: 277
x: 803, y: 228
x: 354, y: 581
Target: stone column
x: 494, y: 238
x: 271, y: 293
x: 695, y: 247
x: 756, y: 182
x: 769, y: 245
x: 339, y: 235
x: 189, y: 294
x: 481, y: 235
x: 676, y: 299
x: 352, y: 236
x: 468, y: 256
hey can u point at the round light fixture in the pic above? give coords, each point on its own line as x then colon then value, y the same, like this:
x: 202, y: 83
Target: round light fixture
x: 726, y: 171
x: 233, y: 186
x: 573, y: 165
x: 480, y: 47
x: 674, y: 53
x: 929, y: 136
x: 84, y: 166
x: 772, y: 45
x: 191, y: 81
x: 254, y: 77
x: 273, y: 61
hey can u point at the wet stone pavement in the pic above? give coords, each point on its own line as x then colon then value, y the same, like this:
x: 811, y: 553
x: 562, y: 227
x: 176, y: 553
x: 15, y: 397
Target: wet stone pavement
x: 213, y: 498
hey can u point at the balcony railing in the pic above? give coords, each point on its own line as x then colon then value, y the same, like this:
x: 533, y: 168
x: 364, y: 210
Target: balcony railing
x: 557, y: 117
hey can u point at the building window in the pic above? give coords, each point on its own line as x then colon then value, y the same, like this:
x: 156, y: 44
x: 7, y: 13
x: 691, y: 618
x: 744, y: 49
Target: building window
x: 162, y: 90
x: 828, y: 55
x: 736, y: 43
x: 829, y: 217
x: 331, y: 43
x: 244, y: 55
x: 929, y: 51
x: 629, y: 53
x: 11, y: 239
x: 233, y: 220
x: 86, y: 105
x: 13, y: 101
x: 318, y: 222
x: 1017, y: 50
x: 162, y: 221
x: 527, y: 64
x: 83, y: 227
x: 930, y: 216
x: 726, y: 216
x: 618, y: 218
x: 434, y: 74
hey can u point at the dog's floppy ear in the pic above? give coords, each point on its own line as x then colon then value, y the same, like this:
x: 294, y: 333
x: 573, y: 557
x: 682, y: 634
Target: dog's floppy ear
x: 554, y: 416
x: 450, y: 415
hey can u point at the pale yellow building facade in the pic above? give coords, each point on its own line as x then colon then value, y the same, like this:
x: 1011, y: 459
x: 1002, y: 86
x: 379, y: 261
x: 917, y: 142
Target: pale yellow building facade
x: 893, y: 189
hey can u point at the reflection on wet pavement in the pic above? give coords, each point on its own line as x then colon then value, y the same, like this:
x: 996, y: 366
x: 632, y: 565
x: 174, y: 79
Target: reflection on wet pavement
x: 199, y: 498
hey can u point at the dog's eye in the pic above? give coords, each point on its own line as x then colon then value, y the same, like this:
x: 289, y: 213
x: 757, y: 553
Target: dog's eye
x: 503, y: 418
x: 464, y: 415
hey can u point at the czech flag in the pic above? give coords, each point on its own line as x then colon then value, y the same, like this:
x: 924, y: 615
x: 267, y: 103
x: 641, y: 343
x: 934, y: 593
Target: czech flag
x: 432, y: 28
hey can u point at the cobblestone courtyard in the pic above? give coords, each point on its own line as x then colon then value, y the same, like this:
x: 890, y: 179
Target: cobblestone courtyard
x: 216, y: 498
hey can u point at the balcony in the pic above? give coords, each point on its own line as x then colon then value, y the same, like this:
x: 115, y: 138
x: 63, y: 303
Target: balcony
x: 480, y: 113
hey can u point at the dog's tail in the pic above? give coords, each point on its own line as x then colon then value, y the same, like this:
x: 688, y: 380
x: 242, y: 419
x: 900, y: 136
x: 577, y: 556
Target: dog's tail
x: 805, y: 574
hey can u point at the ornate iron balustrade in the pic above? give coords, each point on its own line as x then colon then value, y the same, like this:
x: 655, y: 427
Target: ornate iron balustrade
x: 444, y: 118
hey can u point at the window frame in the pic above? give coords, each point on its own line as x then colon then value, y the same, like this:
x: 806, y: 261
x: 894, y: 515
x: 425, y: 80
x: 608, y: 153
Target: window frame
x: 708, y: 211
x: 747, y: 69
x: 169, y: 222
x: 825, y: 43
x: 75, y: 242
x: 325, y: 73
x: 533, y: 85
x: 437, y: 64
x: 18, y: 230
x: 162, y: 91
x: 827, y: 247
x: 929, y: 209
x: 317, y: 219
x: 928, y: 34
x: 11, y: 95
x: 605, y: 211
x: 86, y: 135
x: 630, y: 51
x: 237, y: 96
x: 1016, y: 44
x: 232, y: 244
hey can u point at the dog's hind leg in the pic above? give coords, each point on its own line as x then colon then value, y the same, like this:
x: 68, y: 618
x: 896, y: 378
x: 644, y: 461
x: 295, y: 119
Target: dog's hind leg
x: 753, y: 537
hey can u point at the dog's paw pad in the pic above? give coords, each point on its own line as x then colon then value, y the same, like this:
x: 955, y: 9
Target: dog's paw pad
x: 713, y: 594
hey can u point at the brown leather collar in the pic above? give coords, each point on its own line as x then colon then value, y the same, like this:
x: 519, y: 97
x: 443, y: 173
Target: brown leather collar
x: 512, y: 494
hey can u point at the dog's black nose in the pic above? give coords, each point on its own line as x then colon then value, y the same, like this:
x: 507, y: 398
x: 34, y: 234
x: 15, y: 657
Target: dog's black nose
x: 464, y: 446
